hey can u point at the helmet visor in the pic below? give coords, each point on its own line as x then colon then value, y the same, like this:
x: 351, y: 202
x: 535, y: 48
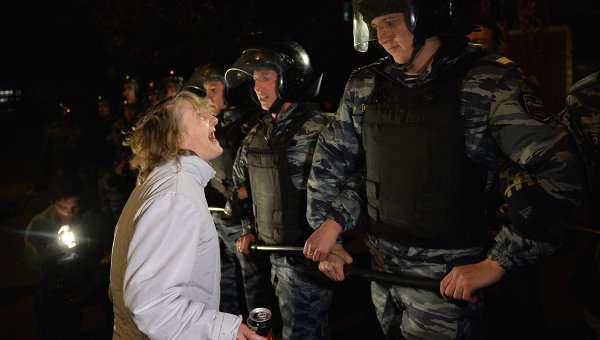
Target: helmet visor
x: 251, y: 60
x: 361, y: 29
x: 363, y: 11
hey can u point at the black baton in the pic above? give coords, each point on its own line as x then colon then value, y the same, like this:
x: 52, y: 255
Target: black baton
x: 370, y: 275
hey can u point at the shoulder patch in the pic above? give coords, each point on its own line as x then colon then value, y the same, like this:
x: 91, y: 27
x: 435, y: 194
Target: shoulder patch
x: 504, y: 60
x: 534, y: 107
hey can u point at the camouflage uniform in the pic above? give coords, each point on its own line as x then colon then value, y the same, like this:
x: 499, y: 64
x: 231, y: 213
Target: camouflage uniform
x: 303, y: 301
x: 502, y: 121
x: 582, y: 118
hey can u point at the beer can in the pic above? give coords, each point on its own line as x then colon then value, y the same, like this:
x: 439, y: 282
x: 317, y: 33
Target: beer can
x: 259, y: 320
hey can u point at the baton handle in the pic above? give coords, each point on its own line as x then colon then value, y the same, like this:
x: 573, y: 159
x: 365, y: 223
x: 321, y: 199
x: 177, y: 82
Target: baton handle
x: 276, y: 249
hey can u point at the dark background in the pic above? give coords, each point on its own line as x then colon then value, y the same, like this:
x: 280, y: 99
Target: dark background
x: 71, y: 51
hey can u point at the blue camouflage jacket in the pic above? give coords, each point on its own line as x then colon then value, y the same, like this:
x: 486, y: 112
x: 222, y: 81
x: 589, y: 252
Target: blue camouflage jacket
x: 503, y: 119
x: 299, y: 154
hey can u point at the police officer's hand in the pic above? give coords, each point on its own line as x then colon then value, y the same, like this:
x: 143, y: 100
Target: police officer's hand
x: 245, y: 333
x: 244, y: 242
x: 463, y: 281
x: 333, y: 265
x: 322, y: 240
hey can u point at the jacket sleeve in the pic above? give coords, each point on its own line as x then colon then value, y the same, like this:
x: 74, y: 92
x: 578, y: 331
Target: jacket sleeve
x: 517, y: 126
x: 334, y: 188
x: 171, y: 237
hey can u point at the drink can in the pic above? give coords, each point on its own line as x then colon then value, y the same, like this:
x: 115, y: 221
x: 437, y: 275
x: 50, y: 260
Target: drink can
x: 259, y: 320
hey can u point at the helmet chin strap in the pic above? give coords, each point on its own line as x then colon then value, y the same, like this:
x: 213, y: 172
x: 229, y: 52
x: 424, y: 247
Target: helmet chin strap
x: 418, y: 46
x: 276, y: 107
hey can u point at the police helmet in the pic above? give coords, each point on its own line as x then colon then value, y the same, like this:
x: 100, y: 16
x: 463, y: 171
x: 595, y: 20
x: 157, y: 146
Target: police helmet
x: 195, y: 82
x: 132, y: 79
x: 169, y: 85
x: 297, y: 79
x: 424, y: 18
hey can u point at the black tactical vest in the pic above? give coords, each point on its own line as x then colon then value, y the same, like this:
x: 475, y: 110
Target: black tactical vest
x: 229, y: 137
x: 422, y: 190
x: 279, y: 208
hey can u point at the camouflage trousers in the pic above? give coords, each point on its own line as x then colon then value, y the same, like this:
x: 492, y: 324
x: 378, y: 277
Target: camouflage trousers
x: 303, y: 302
x: 408, y: 313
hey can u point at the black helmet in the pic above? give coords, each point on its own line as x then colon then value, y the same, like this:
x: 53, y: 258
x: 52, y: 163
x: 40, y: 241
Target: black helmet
x: 424, y: 18
x: 297, y: 79
x: 206, y: 72
x: 214, y: 72
x: 132, y: 79
x: 195, y: 81
x: 169, y: 82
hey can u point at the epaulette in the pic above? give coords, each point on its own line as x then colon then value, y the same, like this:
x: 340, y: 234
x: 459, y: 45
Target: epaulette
x: 504, y: 61
x: 495, y: 60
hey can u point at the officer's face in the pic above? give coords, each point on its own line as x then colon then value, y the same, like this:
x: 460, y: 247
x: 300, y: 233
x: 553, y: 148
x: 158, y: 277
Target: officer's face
x: 67, y: 208
x: 129, y: 93
x: 214, y: 92
x: 265, y: 86
x: 103, y: 109
x: 394, y: 36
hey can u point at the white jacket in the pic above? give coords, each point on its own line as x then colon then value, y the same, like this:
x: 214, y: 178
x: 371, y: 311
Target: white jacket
x: 165, y: 269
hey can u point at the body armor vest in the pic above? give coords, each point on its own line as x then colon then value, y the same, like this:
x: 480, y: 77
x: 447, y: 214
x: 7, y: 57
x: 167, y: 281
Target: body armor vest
x: 279, y: 208
x: 422, y: 190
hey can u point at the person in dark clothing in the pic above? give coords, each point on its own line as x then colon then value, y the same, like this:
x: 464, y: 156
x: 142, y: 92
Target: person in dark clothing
x: 65, y: 244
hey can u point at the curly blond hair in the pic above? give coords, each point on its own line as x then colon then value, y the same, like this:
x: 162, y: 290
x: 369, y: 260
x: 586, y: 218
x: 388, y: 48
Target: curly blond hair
x: 156, y: 136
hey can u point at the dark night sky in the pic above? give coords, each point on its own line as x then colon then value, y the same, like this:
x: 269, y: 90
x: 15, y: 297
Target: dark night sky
x: 75, y: 49
x: 86, y: 45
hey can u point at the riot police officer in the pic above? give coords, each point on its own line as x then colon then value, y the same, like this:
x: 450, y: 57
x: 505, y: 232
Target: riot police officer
x: 418, y: 137
x: 115, y: 184
x: 169, y: 85
x: 273, y: 162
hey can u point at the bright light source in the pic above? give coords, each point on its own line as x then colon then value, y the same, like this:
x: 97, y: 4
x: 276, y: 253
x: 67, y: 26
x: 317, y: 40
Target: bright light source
x: 66, y: 236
